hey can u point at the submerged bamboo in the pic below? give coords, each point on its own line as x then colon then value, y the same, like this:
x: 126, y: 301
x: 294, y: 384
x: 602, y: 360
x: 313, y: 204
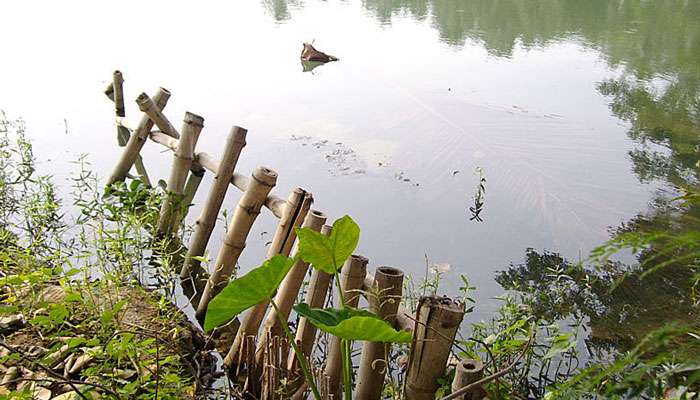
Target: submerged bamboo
x: 315, y: 297
x: 438, y: 319
x: 137, y: 140
x: 467, y: 372
x: 264, y: 179
x: 207, y: 219
x: 298, y: 204
x: 352, y: 277
x: 384, y: 300
x: 289, y: 289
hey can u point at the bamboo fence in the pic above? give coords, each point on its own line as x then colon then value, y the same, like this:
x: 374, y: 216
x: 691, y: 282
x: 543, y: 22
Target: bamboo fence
x: 264, y: 354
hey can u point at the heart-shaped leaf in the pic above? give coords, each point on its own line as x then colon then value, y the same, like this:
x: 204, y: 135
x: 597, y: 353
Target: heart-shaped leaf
x: 328, y: 253
x: 351, y: 324
x: 257, y: 285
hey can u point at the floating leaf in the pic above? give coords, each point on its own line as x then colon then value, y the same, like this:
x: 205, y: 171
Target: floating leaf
x: 351, y: 324
x: 328, y: 253
x: 250, y: 289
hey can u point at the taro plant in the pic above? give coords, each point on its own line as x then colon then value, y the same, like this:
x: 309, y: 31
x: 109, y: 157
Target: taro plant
x: 328, y: 254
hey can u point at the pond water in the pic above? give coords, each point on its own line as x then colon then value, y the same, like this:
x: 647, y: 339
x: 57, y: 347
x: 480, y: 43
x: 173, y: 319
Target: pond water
x: 577, y: 113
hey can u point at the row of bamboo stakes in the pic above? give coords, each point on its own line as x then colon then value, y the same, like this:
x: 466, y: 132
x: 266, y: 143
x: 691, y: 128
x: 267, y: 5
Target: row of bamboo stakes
x: 264, y: 353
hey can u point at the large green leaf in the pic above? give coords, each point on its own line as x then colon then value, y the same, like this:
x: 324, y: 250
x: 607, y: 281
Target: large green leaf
x: 351, y: 324
x: 328, y: 253
x: 250, y: 289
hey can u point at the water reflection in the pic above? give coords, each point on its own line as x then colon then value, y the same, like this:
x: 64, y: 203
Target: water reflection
x: 654, y: 46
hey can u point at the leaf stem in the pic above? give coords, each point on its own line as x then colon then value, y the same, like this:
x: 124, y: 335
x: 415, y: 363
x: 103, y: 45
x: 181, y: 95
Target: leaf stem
x: 300, y: 356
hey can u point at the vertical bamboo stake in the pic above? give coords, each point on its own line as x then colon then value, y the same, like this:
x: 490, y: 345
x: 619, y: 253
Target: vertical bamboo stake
x: 207, y: 219
x: 387, y: 288
x: 193, y: 181
x: 118, y: 90
x: 438, y: 321
x: 315, y: 297
x: 298, y: 204
x: 468, y: 372
x: 351, y: 278
x: 137, y: 140
x: 264, y: 179
x: 182, y: 162
x: 289, y: 289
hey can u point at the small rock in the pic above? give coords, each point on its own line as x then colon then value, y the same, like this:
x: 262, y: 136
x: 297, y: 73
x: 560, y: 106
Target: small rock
x: 12, y: 323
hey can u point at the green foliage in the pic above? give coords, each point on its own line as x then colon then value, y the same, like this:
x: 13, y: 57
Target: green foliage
x: 257, y: 285
x: 328, y: 253
x: 351, y: 324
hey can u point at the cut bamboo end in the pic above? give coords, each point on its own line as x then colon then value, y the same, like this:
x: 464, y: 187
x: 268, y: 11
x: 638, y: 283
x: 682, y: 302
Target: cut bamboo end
x: 204, y: 226
x: 467, y: 372
x: 438, y: 321
x: 150, y: 108
x: 242, y: 220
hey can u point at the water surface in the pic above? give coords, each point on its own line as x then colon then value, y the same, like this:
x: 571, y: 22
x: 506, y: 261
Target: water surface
x: 577, y: 113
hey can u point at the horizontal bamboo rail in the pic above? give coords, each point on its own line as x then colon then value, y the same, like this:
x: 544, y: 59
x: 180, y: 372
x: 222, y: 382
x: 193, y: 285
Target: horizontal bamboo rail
x: 273, y: 202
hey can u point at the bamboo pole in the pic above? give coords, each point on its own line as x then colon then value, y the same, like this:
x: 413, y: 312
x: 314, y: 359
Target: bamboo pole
x: 438, y: 321
x: 118, y: 93
x: 384, y: 300
x: 352, y: 277
x: 137, y: 140
x: 289, y: 289
x: 207, y: 219
x: 467, y: 372
x: 273, y: 202
x: 264, y: 179
x: 315, y: 297
x: 402, y: 321
x: 182, y: 162
x: 115, y: 92
x: 193, y: 182
x: 298, y: 204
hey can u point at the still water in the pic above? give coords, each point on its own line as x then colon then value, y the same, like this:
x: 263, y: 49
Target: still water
x: 577, y: 113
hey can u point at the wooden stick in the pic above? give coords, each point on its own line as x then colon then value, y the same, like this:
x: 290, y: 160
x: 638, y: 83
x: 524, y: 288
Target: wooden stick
x: 207, y: 219
x: 467, y: 372
x: 137, y: 140
x: 384, y: 300
x: 438, y: 321
x: 352, y: 277
x: 264, y: 179
x: 315, y: 297
x: 402, y: 321
x: 298, y: 205
x: 289, y: 289
x: 273, y: 202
